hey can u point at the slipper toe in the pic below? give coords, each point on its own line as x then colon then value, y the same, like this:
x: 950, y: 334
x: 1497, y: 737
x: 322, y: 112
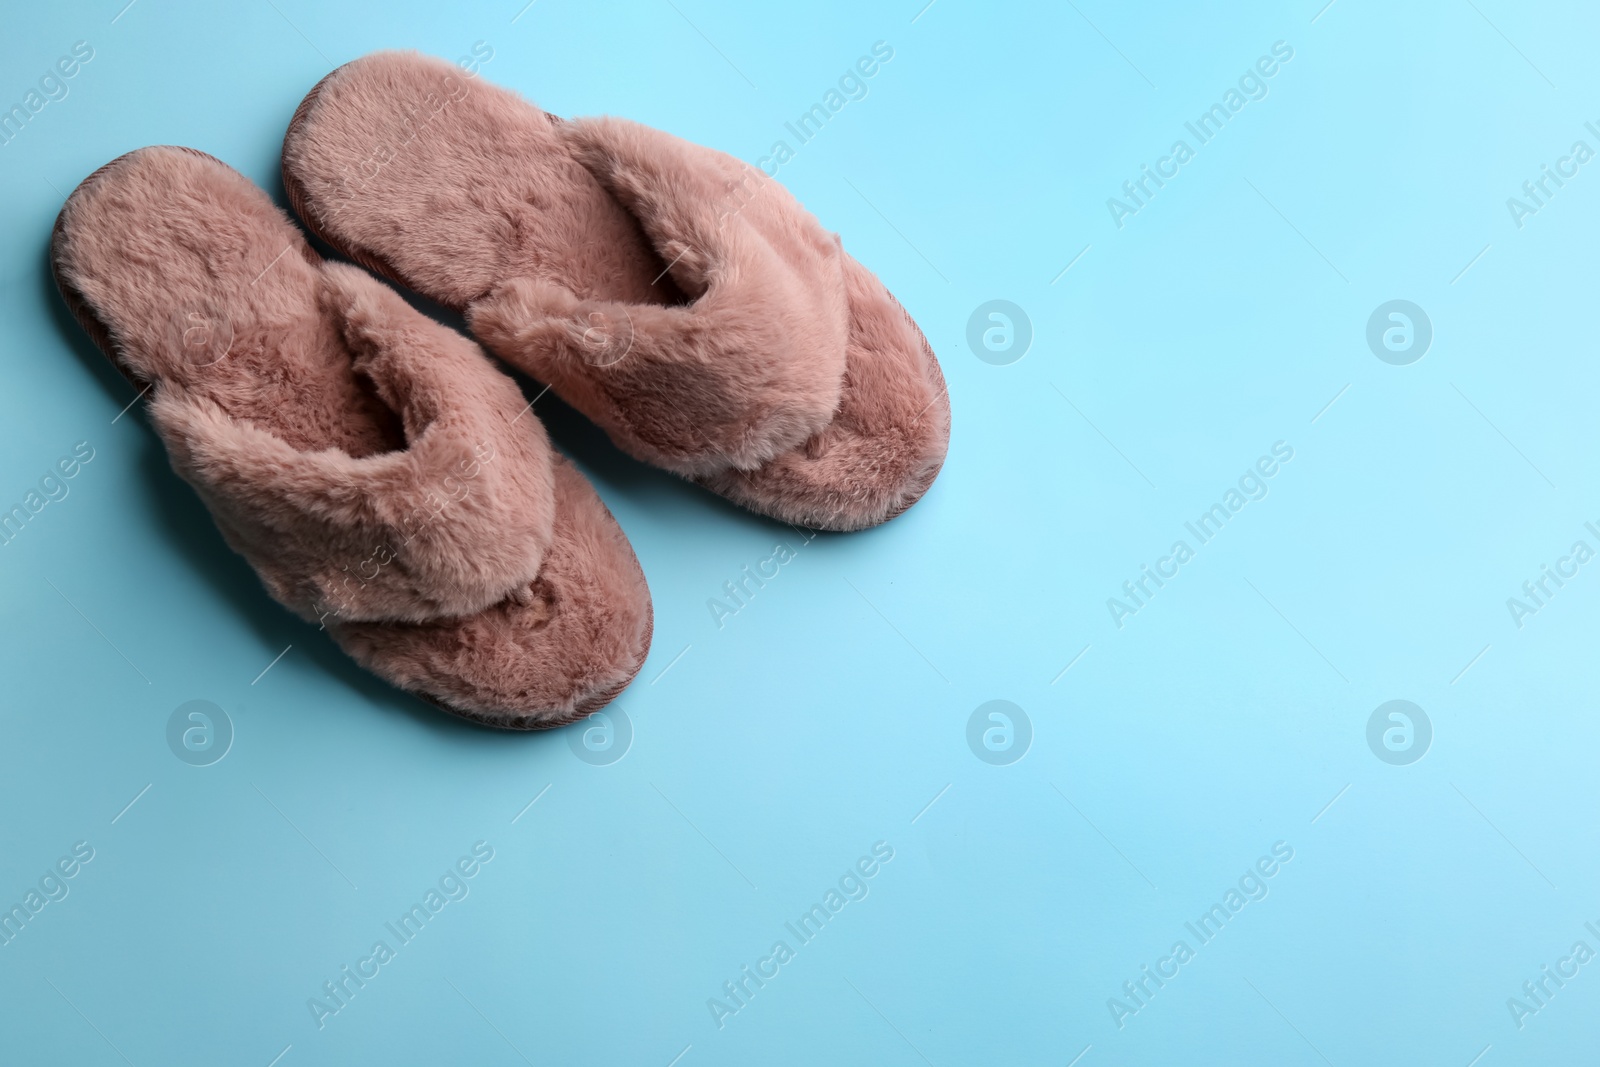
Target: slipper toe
x: 887, y: 440
x: 557, y: 649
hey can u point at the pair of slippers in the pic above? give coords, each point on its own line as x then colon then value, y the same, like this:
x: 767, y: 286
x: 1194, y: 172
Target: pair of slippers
x: 383, y: 476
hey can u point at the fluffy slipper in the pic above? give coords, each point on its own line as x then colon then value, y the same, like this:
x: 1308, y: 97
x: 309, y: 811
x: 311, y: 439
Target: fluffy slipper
x: 681, y: 299
x: 380, y: 474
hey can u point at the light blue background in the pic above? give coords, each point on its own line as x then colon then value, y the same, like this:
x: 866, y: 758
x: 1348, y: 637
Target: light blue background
x: 825, y: 716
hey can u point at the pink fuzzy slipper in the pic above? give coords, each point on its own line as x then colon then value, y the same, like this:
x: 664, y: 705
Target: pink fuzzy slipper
x: 678, y: 297
x: 373, y: 466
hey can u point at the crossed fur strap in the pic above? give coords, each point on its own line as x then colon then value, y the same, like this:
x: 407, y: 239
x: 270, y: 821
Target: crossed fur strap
x: 751, y: 367
x: 448, y: 526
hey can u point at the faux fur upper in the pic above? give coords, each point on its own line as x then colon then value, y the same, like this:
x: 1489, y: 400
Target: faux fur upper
x: 681, y: 299
x: 447, y: 526
x: 411, y: 527
x: 749, y: 368
x: 740, y: 358
x: 377, y: 470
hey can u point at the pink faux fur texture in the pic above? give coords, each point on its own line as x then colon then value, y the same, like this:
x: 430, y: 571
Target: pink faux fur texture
x: 750, y: 369
x: 680, y: 298
x: 377, y: 471
x: 445, y: 527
